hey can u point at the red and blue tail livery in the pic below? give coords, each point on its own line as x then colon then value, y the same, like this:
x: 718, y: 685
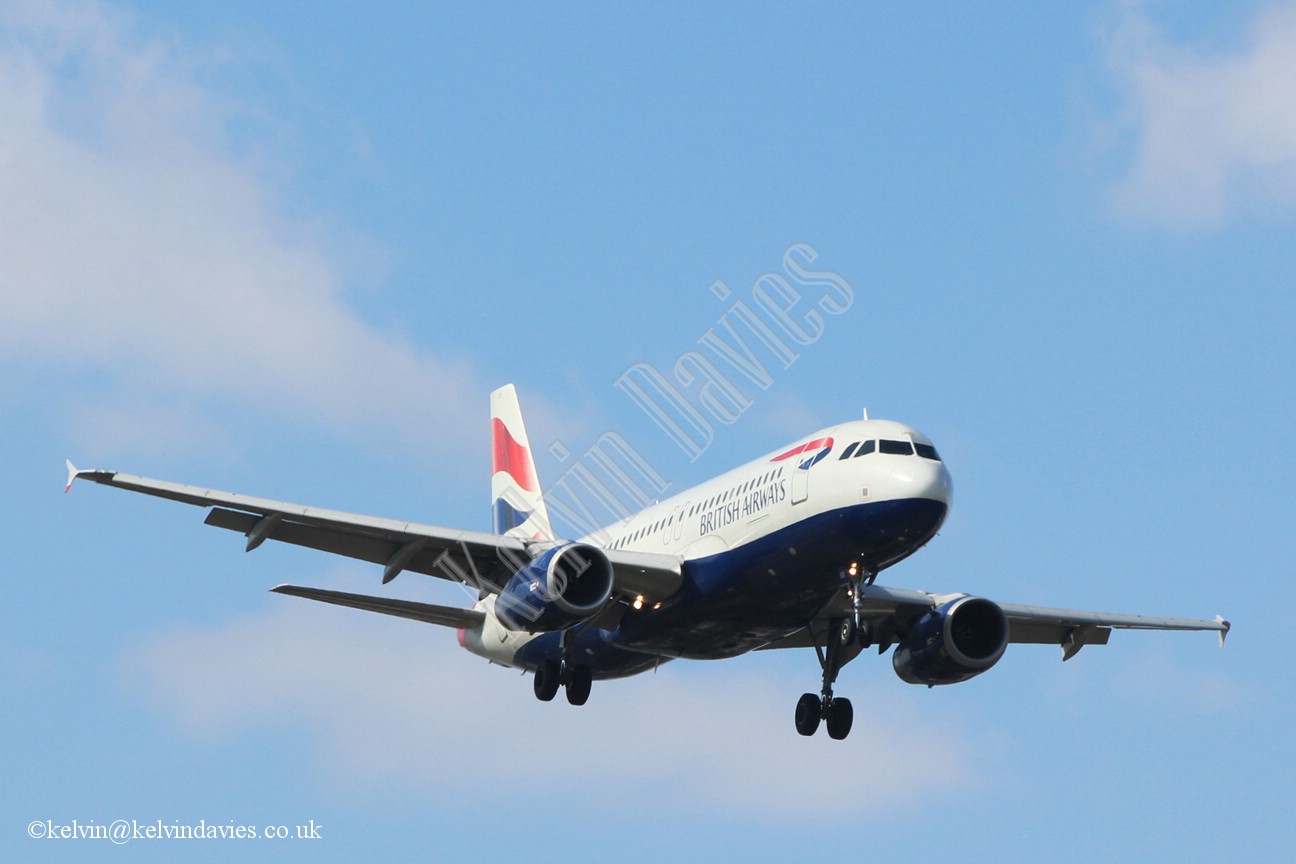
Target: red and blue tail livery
x: 780, y: 552
x: 517, y: 508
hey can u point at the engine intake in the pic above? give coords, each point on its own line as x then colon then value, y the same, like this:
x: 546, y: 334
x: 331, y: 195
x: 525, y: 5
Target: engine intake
x: 955, y: 641
x: 560, y: 588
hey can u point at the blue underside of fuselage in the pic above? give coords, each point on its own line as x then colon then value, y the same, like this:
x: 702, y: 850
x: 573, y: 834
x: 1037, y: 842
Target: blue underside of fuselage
x: 738, y: 600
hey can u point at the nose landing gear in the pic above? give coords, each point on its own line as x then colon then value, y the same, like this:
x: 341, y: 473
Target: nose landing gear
x: 859, y: 629
x: 843, y: 644
x: 845, y: 638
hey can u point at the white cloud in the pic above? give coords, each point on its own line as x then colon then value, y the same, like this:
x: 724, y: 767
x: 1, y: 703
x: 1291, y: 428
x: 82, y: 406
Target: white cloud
x: 387, y: 702
x: 133, y: 244
x: 1213, y: 134
x: 1160, y: 677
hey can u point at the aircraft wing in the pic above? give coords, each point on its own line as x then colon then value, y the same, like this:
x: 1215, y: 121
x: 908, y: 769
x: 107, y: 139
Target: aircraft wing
x: 892, y: 610
x: 478, y: 559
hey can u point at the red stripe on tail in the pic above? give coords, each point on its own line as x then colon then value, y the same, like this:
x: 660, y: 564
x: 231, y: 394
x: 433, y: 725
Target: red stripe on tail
x: 511, y: 457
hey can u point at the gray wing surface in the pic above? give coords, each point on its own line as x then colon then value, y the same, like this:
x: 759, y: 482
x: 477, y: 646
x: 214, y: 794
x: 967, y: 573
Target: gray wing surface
x: 481, y: 560
x: 892, y: 610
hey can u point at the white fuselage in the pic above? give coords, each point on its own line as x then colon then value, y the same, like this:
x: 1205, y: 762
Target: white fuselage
x: 764, y: 496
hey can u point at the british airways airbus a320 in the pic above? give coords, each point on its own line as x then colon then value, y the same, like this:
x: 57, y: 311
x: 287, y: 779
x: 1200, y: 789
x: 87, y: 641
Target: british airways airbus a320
x: 779, y: 553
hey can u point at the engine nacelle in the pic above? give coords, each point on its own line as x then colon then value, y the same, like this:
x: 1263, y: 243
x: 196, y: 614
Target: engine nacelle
x: 560, y: 588
x: 955, y: 641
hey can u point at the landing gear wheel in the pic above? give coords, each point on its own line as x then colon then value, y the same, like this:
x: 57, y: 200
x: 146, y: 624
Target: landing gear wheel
x: 546, y: 680
x: 840, y: 717
x: 837, y: 649
x: 807, y: 714
x: 578, y: 688
x: 849, y: 633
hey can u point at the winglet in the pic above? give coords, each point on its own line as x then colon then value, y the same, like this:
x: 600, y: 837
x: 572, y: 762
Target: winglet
x: 1224, y: 628
x: 89, y: 473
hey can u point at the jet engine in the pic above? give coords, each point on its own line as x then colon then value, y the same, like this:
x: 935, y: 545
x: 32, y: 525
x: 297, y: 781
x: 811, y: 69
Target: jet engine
x: 559, y: 588
x: 955, y: 641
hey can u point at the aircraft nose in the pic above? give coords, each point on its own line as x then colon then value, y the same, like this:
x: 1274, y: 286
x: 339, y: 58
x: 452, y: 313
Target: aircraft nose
x: 917, y: 477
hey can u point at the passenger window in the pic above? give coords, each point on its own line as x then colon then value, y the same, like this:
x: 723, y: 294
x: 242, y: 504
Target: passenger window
x: 896, y: 448
x: 926, y: 451
x: 866, y: 447
x: 850, y: 448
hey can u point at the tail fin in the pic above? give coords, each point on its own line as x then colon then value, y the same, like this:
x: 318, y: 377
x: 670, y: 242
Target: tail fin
x: 519, y: 509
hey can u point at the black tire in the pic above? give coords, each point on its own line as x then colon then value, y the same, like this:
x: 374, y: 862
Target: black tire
x: 578, y: 688
x: 840, y: 717
x: 546, y: 681
x: 807, y: 714
x: 865, y: 635
x: 846, y: 632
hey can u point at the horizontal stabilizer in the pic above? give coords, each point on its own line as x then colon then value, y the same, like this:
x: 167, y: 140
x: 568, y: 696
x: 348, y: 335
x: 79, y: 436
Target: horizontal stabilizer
x: 446, y: 616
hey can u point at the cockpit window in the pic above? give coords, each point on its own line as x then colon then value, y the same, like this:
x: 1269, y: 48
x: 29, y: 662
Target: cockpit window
x: 897, y: 448
x: 850, y: 448
x: 926, y: 451
x: 866, y: 447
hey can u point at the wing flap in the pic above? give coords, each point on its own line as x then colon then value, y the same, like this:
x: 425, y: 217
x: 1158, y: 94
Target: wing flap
x: 1025, y: 632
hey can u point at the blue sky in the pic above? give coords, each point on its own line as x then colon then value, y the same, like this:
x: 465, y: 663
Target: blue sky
x: 288, y: 249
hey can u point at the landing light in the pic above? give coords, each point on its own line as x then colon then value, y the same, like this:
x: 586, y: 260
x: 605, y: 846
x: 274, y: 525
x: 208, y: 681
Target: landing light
x: 854, y: 568
x: 638, y: 603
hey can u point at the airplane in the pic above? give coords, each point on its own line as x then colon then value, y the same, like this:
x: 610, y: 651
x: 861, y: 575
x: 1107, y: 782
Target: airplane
x: 781, y: 552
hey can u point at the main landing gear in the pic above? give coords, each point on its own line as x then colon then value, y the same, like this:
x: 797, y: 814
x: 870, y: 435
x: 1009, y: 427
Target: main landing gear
x: 552, y: 674
x: 576, y: 679
x: 836, y: 710
x: 846, y: 638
